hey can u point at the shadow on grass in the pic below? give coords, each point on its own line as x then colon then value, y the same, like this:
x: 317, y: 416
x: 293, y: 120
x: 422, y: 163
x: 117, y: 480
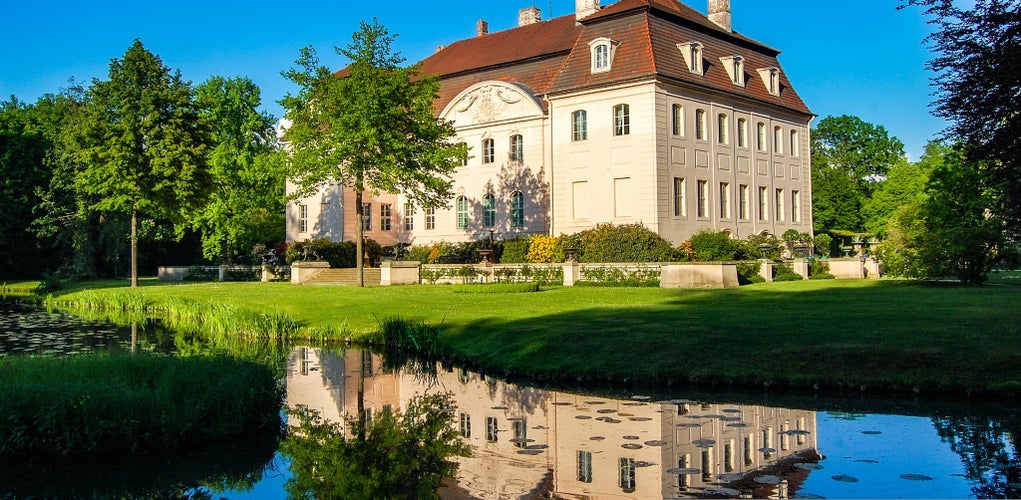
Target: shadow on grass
x: 884, y: 335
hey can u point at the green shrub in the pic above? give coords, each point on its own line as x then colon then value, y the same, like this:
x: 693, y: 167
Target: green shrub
x: 819, y: 270
x: 497, y: 288
x: 752, y: 248
x: 514, y: 251
x: 783, y: 272
x: 749, y: 272
x: 620, y: 276
x: 712, y: 246
x: 202, y: 273
x: 822, y: 244
x: 624, y: 243
x: 339, y: 254
x: 419, y: 253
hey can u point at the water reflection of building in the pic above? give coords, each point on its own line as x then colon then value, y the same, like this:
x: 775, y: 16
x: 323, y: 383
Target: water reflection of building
x: 526, y: 440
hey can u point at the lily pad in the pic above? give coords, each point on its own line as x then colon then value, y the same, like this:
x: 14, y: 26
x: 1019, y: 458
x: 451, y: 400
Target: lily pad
x: 767, y: 450
x: 631, y: 438
x: 871, y: 433
x: 739, y: 424
x: 867, y: 461
x: 583, y: 417
x: 730, y: 478
x: 596, y: 438
x: 688, y: 425
x: 809, y: 466
x: 688, y: 471
x: 655, y: 442
x: 642, y: 463
x: 562, y: 403
x: 606, y: 410
x: 530, y: 451
x: 844, y: 478
x: 640, y: 398
x: 768, y: 479
x: 631, y: 446
x: 916, y: 477
x: 797, y: 432
x: 595, y: 402
x: 704, y: 442
x: 722, y: 491
x: 640, y: 419
x: 807, y: 496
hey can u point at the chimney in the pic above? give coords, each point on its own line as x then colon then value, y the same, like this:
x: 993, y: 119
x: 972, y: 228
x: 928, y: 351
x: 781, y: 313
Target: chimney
x: 719, y: 13
x: 481, y: 28
x: 585, y: 8
x: 531, y: 15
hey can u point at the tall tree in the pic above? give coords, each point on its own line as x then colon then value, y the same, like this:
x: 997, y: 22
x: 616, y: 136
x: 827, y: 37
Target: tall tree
x: 140, y: 144
x: 246, y: 169
x: 850, y: 157
x: 370, y: 128
x: 978, y: 88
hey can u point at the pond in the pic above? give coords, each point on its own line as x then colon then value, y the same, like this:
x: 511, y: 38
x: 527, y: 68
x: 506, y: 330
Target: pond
x: 531, y: 441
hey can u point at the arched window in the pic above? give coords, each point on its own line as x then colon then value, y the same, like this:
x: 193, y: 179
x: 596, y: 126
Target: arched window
x: 488, y: 210
x: 517, y: 148
x: 602, y: 56
x: 517, y: 209
x: 579, y: 125
x: 488, y: 151
x: 462, y: 212
x: 621, y: 119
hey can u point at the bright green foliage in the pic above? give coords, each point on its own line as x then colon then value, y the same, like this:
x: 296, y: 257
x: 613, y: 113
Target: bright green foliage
x: 396, y: 455
x: 370, y: 127
x: 849, y: 157
x: 140, y: 146
x: 515, y: 250
x: 822, y: 244
x: 99, y: 404
x: 712, y: 246
x: 246, y: 203
x: 904, y: 185
x: 624, y: 243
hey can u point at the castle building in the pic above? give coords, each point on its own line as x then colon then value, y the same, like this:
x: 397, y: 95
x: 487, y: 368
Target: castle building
x: 640, y: 111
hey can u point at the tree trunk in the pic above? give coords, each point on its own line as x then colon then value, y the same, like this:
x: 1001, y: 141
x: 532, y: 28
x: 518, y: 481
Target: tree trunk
x: 134, y: 248
x: 359, y: 224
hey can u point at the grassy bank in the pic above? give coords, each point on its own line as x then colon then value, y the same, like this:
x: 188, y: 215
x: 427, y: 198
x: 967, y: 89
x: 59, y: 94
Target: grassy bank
x: 875, y: 334
x: 99, y: 404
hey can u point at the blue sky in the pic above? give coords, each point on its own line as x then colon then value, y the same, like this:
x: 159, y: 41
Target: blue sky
x: 862, y: 58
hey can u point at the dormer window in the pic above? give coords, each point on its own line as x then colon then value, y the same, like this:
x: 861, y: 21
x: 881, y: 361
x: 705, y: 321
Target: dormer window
x: 602, y: 54
x: 771, y: 78
x: 692, y: 52
x: 735, y: 68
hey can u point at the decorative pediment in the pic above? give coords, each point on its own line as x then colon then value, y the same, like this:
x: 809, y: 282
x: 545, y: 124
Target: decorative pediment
x: 492, y: 101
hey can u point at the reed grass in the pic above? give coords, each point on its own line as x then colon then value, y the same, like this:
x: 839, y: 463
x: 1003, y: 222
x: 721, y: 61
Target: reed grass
x: 113, y: 404
x: 497, y: 288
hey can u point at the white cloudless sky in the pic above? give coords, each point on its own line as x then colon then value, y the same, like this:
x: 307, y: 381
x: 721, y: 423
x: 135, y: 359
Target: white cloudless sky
x: 862, y: 58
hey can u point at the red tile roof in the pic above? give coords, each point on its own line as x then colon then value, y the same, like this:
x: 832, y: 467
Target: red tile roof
x: 553, y: 56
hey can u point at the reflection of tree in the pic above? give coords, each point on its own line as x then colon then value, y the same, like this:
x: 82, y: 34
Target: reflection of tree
x: 401, y: 455
x: 988, y: 448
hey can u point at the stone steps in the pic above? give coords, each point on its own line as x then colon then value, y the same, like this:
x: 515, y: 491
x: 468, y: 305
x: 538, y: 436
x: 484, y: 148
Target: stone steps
x: 348, y: 277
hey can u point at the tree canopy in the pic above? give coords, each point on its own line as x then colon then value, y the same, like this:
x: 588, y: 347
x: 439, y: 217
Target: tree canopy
x: 370, y: 127
x: 141, y: 148
x: 978, y: 88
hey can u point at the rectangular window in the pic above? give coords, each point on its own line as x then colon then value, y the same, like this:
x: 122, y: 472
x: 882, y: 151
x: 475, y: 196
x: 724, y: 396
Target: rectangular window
x: 684, y: 462
x: 749, y: 456
x: 385, y: 217
x: 796, y: 206
x: 680, y: 206
x: 517, y: 209
x: 430, y: 218
x: 763, y: 203
x: 779, y: 206
x: 742, y: 133
x: 488, y: 210
x: 488, y: 151
x: 778, y: 140
x: 760, y: 137
x: 366, y: 216
x: 517, y: 148
x: 520, y: 433
x: 702, y: 209
x: 579, y: 126
x: 466, y: 425
x: 795, y: 143
x: 621, y: 119
x: 724, y: 200
x: 723, y: 126
x: 707, y: 465
x: 700, y: 124
x: 409, y: 217
x: 585, y: 466
x: 462, y: 212
x: 491, y: 430
x: 728, y: 456
x: 743, y: 202
x: 627, y: 475
x: 303, y: 218
x: 678, y: 120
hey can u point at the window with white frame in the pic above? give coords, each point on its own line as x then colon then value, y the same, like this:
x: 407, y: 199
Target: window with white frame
x: 488, y: 151
x: 585, y: 466
x: 621, y: 119
x: 700, y: 125
x: 779, y: 206
x: 302, y: 218
x: 602, y: 50
x: 743, y: 202
x: 678, y: 120
x: 409, y: 216
x: 680, y: 205
x: 742, y: 133
x: 462, y: 212
x: 491, y: 430
x: 366, y: 216
x: 466, y: 425
x: 520, y: 432
x: 734, y: 65
x: 795, y: 144
x: 430, y: 218
x: 702, y: 207
x: 488, y: 210
x: 692, y: 53
x: 723, y: 128
x: 724, y: 200
x: 778, y: 140
x: 579, y: 125
x: 517, y: 209
x: 763, y: 203
x: 517, y: 148
x: 760, y: 136
x: 796, y: 206
x: 771, y: 79
x: 385, y: 217
x: 627, y: 475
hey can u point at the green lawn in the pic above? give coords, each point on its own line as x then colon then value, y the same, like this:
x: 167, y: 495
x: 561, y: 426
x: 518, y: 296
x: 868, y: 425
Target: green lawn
x: 888, y: 334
